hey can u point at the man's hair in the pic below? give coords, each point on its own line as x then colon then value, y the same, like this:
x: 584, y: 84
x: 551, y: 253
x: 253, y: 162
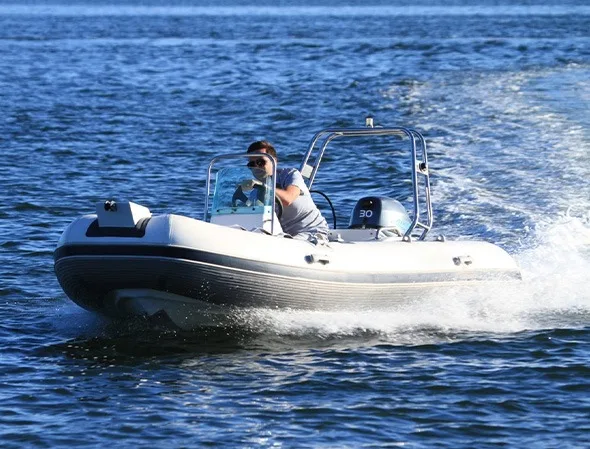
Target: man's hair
x: 263, y: 145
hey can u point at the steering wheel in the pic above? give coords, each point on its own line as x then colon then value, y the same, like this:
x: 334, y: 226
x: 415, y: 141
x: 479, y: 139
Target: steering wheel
x: 239, y: 198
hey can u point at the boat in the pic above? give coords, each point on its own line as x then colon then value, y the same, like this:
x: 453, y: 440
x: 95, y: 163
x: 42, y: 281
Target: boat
x: 125, y: 261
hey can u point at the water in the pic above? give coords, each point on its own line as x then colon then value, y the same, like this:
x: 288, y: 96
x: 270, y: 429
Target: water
x: 101, y: 101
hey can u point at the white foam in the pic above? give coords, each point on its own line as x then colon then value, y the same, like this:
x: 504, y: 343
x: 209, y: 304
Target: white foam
x: 557, y: 268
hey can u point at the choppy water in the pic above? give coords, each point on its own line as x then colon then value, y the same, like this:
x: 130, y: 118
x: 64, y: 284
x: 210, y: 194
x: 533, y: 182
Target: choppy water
x: 102, y: 101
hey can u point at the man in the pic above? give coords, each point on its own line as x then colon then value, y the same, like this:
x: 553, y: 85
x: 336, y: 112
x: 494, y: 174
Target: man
x: 301, y: 218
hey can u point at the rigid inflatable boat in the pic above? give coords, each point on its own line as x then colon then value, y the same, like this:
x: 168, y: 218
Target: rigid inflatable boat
x: 126, y: 261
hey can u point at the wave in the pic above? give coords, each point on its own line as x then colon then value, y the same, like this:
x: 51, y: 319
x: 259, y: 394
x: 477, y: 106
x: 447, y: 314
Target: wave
x: 315, y: 11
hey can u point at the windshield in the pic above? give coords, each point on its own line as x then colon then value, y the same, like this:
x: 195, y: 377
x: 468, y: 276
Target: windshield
x: 229, y: 195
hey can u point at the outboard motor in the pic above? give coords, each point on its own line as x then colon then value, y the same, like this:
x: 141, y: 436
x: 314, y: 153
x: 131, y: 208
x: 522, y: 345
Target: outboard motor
x: 380, y: 212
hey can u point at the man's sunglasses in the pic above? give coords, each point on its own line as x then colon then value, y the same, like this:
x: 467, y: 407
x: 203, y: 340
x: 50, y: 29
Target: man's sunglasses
x: 260, y: 162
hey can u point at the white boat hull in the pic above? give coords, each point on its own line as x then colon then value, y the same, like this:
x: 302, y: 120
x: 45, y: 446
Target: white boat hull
x: 197, y: 272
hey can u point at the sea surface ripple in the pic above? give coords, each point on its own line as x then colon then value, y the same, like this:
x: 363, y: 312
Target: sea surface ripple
x: 131, y: 101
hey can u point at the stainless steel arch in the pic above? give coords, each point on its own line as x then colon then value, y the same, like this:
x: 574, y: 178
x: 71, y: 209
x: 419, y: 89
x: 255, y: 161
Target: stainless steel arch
x: 418, y: 158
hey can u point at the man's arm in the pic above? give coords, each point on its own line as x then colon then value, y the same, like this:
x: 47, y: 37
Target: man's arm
x: 288, y: 195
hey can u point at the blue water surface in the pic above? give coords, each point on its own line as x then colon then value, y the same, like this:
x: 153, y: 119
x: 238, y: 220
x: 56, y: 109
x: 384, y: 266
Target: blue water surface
x: 131, y: 100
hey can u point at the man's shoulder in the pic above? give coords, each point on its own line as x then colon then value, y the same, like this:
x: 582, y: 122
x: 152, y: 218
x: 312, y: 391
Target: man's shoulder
x: 289, y: 176
x: 286, y: 171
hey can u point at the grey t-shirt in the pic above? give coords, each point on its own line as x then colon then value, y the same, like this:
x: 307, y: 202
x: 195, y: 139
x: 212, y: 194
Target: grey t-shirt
x: 302, y: 215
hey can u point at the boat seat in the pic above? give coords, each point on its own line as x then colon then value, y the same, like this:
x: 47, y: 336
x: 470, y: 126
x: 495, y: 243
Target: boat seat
x: 362, y: 235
